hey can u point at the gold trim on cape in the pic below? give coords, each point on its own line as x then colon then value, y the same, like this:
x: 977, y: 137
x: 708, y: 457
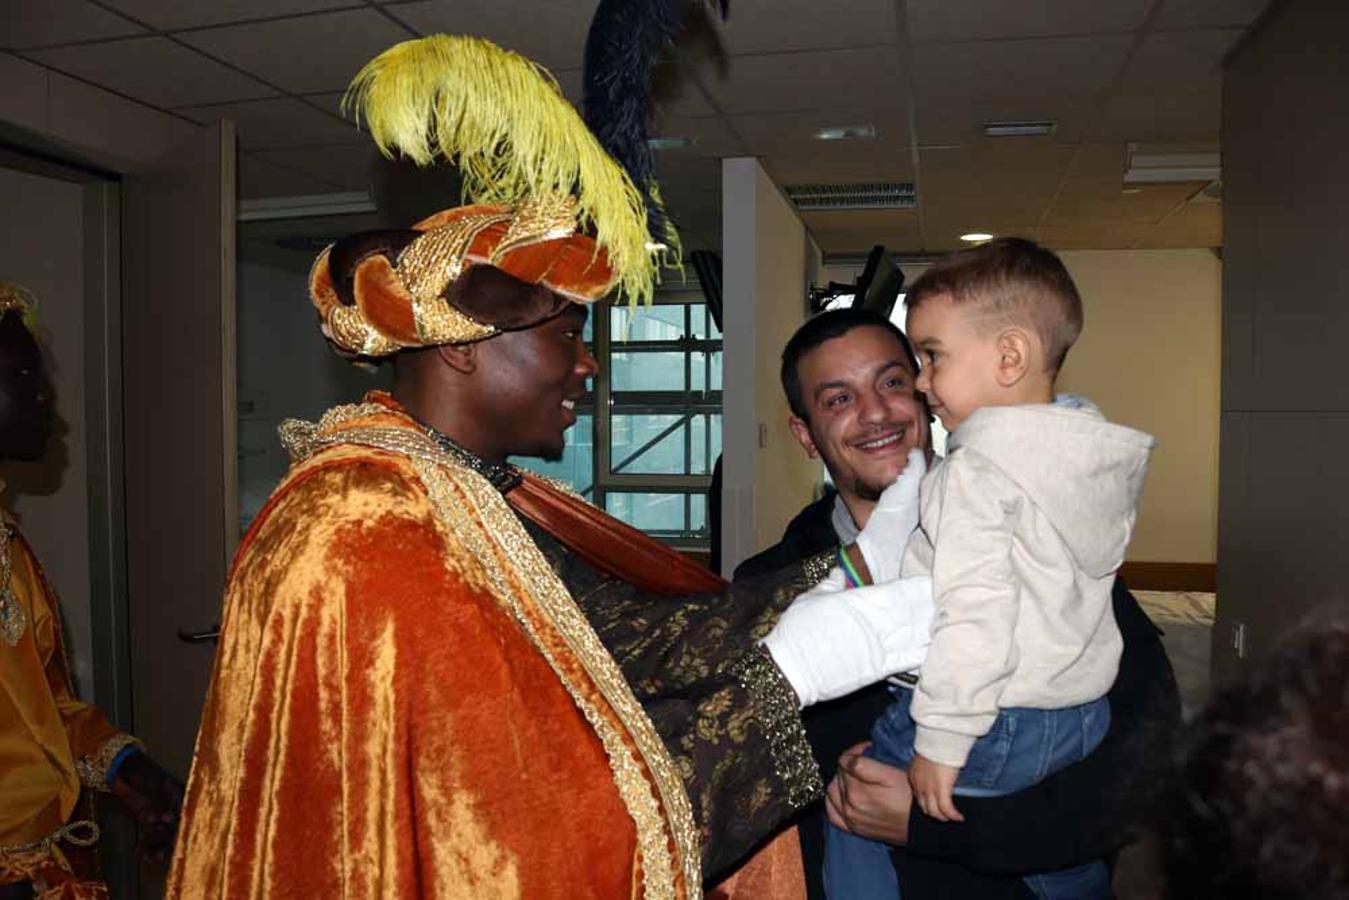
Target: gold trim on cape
x: 469, y: 508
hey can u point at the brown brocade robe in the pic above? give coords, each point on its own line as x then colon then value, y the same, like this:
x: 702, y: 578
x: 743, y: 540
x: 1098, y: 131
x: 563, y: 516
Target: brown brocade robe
x: 417, y: 694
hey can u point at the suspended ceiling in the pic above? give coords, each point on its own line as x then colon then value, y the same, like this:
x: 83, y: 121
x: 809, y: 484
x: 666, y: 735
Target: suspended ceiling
x: 924, y: 73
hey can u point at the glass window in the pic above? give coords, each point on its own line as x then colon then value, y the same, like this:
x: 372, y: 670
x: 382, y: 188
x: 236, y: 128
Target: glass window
x: 648, y: 436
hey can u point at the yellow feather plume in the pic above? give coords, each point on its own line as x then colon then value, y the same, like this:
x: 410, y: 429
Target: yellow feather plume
x: 504, y: 121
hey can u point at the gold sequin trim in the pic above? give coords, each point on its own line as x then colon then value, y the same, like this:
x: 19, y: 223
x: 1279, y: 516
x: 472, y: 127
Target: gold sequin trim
x: 436, y: 257
x: 93, y: 767
x: 350, y: 331
x: 815, y: 568
x: 543, y: 217
x: 781, y: 722
x: 462, y: 499
x: 440, y: 323
x: 13, y: 617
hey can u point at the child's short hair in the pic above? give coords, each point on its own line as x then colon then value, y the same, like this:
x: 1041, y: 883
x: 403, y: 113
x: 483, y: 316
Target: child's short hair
x: 1012, y: 279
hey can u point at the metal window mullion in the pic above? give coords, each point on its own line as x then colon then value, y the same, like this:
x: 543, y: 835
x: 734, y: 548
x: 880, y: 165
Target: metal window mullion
x: 603, y: 406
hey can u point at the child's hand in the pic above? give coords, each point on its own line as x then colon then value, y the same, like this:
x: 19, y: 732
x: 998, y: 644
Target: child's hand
x: 933, y: 785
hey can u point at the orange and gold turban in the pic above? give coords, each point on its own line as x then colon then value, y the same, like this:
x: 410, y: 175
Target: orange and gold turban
x: 554, y: 209
x: 381, y: 291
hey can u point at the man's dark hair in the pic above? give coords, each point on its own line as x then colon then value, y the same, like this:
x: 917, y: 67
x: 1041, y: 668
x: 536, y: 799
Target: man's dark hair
x: 824, y: 327
x: 1260, y: 810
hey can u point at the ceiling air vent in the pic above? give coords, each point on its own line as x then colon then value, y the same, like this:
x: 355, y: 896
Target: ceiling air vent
x: 867, y: 195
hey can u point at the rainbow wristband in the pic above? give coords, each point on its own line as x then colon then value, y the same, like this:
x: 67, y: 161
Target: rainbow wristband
x: 849, y: 570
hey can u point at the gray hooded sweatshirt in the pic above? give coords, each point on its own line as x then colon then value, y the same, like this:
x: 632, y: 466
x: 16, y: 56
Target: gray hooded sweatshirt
x: 1023, y: 527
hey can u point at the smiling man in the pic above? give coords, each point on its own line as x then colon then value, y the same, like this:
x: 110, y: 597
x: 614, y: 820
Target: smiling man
x: 850, y: 379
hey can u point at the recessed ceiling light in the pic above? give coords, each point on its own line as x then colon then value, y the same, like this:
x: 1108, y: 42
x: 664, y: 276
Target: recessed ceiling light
x: 975, y: 237
x: 1131, y: 190
x: 845, y: 132
x: 670, y: 143
x: 1019, y: 129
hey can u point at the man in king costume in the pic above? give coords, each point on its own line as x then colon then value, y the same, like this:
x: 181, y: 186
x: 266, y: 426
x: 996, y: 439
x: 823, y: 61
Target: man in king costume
x: 439, y: 675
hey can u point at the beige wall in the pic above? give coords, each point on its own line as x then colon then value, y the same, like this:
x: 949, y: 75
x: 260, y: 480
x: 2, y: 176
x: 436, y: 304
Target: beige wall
x: 1284, y: 499
x: 768, y: 259
x: 1149, y: 357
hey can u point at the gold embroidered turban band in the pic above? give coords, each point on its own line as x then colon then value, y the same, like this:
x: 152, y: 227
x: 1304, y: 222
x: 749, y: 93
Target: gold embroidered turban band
x: 554, y: 210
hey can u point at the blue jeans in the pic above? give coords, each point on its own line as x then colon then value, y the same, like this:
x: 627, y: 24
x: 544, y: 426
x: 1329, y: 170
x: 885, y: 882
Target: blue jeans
x: 1024, y: 746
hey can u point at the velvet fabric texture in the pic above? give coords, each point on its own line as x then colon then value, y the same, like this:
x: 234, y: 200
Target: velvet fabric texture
x: 44, y: 731
x: 384, y: 721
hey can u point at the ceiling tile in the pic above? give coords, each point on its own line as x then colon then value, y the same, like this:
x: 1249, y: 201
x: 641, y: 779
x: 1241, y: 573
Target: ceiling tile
x: 1209, y: 13
x: 842, y: 163
x: 174, y: 14
x: 350, y: 167
x: 154, y: 70
x: 553, y: 34
x: 792, y: 133
x: 29, y: 24
x: 1161, y: 118
x: 710, y: 134
x: 259, y: 178
x: 268, y: 49
x: 24, y: 99
x: 802, y: 81
x: 956, y: 120
x: 1076, y: 236
x: 992, y: 181
x: 1103, y: 160
x: 280, y: 122
x: 1102, y: 200
x: 968, y: 20
x: 1179, y: 61
x: 1196, y: 225
x: 85, y: 115
x: 999, y: 70
x: 758, y: 26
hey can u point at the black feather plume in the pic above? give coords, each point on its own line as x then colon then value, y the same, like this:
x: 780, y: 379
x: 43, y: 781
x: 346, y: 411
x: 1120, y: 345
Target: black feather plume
x: 625, y: 42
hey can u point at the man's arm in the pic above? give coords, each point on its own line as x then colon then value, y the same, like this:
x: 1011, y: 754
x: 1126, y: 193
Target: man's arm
x: 1085, y: 811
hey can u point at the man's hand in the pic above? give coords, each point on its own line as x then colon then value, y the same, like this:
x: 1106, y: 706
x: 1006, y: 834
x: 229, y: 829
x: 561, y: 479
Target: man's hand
x: 154, y: 798
x: 934, y: 787
x: 895, y: 517
x: 870, y: 798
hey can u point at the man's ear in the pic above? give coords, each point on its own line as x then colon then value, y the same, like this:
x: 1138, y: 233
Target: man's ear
x: 802, y: 433
x: 1016, y: 350
x: 460, y: 357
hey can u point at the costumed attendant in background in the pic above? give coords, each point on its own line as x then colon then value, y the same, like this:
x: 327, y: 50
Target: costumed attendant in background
x: 52, y: 746
x: 442, y: 676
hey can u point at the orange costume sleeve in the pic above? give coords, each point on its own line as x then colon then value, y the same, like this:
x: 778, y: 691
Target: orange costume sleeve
x: 49, y: 740
x: 378, y: 725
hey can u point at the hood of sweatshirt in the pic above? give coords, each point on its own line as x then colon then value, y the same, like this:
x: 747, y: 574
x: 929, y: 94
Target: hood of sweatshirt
x: 1083, y: 473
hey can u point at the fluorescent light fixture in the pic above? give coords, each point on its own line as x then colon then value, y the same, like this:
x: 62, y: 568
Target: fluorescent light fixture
x: 267, y: 209
x: 975, y: 237
x: 1020, y: 128
x: 655, y: 246
x: 845, y: 132
x: 1161, y: 168
x: 670, y: 143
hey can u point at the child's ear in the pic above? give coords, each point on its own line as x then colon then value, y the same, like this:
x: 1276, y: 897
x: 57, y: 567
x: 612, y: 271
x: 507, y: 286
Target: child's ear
x: 1015, y: 349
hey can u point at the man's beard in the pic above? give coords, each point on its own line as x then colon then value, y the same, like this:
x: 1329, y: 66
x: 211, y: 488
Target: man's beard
x: 865, y: 490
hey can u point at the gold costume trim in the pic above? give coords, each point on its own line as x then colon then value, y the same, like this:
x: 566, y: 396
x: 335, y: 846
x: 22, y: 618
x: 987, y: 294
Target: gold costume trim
x: 782, y: 726
x: 13, y: 618
x: 349, y: 330
x: 93, y: 767
x: 471, y: 509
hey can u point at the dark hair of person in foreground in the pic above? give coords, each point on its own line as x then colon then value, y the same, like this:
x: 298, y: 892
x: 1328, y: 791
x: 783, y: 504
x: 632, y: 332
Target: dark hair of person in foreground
x: 1262, y: 808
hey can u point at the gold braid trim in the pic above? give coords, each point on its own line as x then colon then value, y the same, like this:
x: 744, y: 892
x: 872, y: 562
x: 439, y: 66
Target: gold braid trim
x: 521, y: 580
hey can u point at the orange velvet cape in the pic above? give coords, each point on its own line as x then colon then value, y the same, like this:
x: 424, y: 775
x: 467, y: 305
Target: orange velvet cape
x: 407, y: 702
